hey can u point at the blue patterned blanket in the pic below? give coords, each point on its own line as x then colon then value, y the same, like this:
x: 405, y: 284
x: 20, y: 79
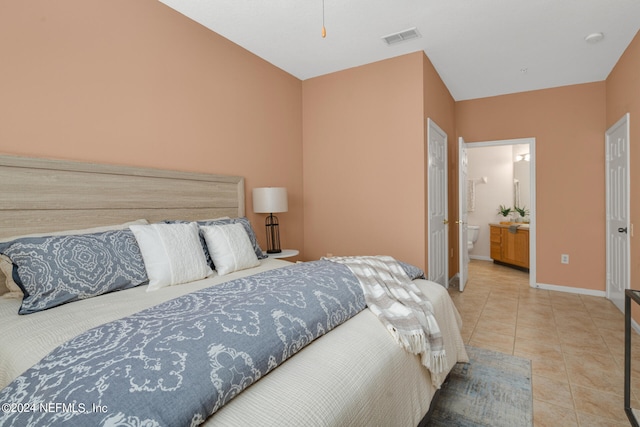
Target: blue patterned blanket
x: 179, y: 362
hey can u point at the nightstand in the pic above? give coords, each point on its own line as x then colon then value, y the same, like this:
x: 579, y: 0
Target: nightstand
x: 286, y: 253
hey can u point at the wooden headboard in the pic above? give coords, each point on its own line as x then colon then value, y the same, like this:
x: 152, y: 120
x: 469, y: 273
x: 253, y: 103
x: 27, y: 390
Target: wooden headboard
x: 41, y: 195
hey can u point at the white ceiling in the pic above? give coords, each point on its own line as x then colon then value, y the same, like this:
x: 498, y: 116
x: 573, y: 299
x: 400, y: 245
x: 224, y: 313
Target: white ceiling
x: 479, y: 47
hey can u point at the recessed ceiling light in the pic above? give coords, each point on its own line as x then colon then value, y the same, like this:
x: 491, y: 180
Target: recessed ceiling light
x: 594, y: 38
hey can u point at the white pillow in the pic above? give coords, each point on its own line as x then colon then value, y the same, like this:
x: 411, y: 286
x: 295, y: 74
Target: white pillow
x: 172, y: 253
x: 229, y: 247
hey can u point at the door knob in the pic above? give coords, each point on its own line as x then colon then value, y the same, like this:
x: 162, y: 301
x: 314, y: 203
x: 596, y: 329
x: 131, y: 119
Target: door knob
x: 445, y: 221
x: 622, y: 230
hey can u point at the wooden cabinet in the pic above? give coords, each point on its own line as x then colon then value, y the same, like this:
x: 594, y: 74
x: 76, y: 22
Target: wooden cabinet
x: 496, y: 242
x: 510, y: 246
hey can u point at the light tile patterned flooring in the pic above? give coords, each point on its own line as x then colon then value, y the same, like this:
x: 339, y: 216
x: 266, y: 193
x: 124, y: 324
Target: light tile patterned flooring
x: 575, y: 343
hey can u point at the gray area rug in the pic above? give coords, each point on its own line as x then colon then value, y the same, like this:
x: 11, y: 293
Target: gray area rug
x: 493, y: 389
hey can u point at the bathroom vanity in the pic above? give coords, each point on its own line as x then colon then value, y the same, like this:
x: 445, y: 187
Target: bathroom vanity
x: 510, y: 245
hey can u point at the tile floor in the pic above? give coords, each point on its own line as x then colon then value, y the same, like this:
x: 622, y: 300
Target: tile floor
x: 575, y: 343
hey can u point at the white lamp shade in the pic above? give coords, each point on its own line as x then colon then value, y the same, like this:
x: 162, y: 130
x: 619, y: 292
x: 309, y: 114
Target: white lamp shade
x: 270, y: 200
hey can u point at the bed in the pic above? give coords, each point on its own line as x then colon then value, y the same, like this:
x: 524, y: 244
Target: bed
x: 354, y: 374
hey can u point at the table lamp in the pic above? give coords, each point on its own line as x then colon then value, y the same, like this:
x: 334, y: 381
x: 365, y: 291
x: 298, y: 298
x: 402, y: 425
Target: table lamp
x: 271, y: 200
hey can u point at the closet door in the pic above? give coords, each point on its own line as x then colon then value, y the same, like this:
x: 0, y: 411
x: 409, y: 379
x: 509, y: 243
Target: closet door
x: 438, y: 230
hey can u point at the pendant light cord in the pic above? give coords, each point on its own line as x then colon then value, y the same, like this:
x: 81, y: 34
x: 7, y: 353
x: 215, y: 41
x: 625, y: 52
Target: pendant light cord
x: 324, y: 31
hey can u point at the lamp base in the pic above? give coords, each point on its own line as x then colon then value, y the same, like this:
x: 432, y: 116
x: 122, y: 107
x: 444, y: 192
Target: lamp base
x: 273, y: 234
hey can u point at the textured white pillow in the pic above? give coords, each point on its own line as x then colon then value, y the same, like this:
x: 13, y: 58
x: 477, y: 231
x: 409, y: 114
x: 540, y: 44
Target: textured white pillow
x: 229, y: 247
x: 172, y: 253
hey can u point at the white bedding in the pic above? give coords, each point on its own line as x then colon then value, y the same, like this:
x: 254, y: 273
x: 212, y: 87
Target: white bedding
x: 355, y: 375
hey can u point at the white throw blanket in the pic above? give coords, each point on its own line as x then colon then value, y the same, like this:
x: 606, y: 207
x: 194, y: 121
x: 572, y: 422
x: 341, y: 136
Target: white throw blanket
x: 401, y: 307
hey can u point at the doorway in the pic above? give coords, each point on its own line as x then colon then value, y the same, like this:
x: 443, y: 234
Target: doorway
x: 506, y: 178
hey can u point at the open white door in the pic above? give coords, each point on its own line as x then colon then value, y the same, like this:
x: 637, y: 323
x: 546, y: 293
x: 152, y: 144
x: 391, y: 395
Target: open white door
x: 462, y: 213
x: 618, y: 227
x: 438, y: 233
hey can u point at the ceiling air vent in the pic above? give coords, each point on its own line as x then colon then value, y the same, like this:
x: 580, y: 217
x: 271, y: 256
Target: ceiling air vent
x: 395, y: 38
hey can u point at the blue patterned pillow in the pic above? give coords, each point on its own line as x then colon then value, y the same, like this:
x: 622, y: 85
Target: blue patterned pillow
x: 245, y: 223
x: 412, y: 271
x: 54, y: 270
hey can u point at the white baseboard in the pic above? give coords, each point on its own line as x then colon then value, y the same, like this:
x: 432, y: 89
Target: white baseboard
x: 570, y: 290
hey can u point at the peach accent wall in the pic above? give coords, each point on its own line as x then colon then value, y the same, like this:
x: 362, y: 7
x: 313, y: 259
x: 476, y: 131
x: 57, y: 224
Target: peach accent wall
x: 568, y: 124
x: 623, y: 96
x: 364, y: 133
x: 363, y: 161
x: 136, y: 83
